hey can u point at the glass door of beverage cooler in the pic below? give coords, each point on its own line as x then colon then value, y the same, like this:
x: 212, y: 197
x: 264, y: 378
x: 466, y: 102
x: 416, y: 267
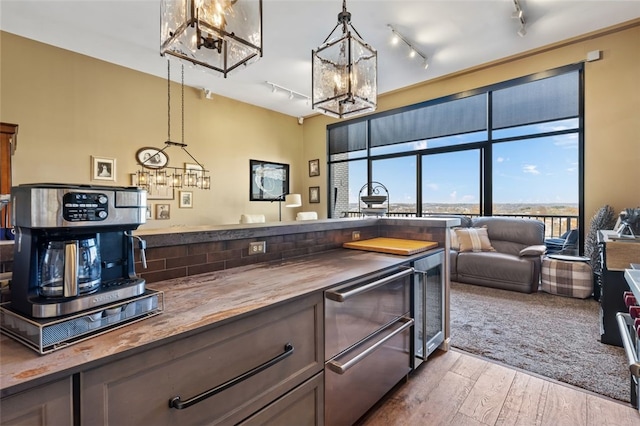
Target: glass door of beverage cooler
x: 428, y: 306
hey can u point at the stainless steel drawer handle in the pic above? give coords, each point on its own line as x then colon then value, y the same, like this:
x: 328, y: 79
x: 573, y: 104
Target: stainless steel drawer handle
x: 624, y: 322
x: 338, y: 296
x: 175, y: 402
x: 340, y: 368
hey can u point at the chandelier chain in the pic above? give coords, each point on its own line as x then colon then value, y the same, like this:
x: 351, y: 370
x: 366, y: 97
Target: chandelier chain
x: 182, y: 106
x: 168, y: 100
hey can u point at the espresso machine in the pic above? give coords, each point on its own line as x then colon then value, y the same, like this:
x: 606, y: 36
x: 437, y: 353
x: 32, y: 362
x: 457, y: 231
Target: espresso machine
x: 73, y: 270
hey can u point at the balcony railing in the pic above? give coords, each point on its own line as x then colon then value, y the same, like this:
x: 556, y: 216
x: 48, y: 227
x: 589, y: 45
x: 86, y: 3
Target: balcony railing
x: 554, y: 225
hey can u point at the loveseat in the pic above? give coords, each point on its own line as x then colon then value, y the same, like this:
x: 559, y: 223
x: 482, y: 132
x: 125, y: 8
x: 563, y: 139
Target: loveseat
x: 498, y: 252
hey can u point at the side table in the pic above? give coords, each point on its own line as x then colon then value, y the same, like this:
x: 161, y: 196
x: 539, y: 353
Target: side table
x: 565, y: 275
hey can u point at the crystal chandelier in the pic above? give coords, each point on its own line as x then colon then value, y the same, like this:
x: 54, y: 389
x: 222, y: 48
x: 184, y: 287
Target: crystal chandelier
x: 172, y: 177
x: 344, y: 72
x: 217, y: 34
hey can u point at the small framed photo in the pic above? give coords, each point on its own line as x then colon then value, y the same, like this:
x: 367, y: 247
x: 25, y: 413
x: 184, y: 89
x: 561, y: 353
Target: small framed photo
x: 314, y: 168
x: 163, y: 211
x: 149, y: 211
x: 186, y: 200
x: 152, y: 158
x: 314, y: 194
x: 103, y: 168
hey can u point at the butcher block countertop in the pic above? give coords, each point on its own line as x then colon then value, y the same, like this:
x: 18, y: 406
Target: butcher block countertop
x: 192, y: 303
x: 392, y: 245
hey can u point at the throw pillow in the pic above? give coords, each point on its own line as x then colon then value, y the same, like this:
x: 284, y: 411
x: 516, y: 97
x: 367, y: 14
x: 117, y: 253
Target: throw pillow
x: 455, y: 244
x: 474, y: 239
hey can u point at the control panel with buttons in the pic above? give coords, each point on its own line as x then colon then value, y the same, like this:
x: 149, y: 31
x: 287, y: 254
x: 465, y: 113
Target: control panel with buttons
x: 80, y: 206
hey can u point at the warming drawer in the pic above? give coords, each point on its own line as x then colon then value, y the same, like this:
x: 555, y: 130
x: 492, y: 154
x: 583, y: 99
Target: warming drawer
x: 367, y: 342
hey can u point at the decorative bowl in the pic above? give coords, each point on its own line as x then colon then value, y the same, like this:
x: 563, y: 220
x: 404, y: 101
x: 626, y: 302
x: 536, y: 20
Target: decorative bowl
x: 373, y: 199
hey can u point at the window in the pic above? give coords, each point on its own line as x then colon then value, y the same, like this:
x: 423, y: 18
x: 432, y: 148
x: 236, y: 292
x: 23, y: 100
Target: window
x: 398, y: 175
x: 514, y: 148
x: 451, y: 183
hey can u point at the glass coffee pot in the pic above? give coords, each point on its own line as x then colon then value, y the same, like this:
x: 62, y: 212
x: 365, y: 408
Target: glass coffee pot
x: 70, y: 268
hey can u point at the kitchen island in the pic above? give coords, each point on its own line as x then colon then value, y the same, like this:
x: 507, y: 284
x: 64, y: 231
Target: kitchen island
x: 198, y: 305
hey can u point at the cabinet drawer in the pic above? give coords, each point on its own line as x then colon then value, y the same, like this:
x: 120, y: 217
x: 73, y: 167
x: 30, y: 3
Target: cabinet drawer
x: 49, y: 404
x: 303, y: 406
x: 137, y: 390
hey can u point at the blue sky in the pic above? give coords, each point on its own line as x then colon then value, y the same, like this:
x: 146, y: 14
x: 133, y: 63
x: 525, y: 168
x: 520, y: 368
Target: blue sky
x: 542, y: 170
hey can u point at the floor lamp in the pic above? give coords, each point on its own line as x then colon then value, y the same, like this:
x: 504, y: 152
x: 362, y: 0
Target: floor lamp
x: 290, y: 200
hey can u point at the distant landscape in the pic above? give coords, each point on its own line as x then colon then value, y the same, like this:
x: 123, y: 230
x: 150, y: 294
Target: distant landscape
x: 554, y: 209
x: 558, y: 217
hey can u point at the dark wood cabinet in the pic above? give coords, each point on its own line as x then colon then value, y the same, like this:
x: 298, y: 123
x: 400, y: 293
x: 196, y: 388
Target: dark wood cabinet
x: 8, y: 140
x: 614, y: 257
x: 138, y: 389
x: 50, y: 404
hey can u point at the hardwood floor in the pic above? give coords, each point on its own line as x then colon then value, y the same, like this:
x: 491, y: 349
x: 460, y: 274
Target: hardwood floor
x: 455, y: 388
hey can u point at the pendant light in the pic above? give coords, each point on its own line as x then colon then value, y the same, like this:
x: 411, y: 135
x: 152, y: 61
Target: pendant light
x: 217, y: 34
x: 174, y: 177
x: 344, y: 72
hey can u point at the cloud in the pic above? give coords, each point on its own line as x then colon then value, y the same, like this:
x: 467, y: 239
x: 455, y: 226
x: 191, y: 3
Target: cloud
x: 500, y: 159
x: 530, y: 168
x: 433, y: 186
x: 420, y: 145
x: 453, y: 195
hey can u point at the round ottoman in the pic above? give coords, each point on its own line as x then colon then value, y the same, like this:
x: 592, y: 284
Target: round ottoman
x: 567, y: 276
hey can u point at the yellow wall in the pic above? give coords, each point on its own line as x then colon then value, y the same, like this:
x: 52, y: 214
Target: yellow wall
x: 612, y: 109
x: 70, y: 107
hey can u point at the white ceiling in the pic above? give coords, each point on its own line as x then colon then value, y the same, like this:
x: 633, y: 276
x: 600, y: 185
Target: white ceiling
x: 454, y: 34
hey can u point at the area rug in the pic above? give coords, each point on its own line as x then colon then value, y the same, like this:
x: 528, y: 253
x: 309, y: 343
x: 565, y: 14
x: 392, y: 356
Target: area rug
x: 553, y: 336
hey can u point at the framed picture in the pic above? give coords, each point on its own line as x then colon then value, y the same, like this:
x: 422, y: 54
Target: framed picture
x: 103, y: 168
x: 152, y: 158
x: 186, y: 200
x: 163, y: 211
x: 314, y: 194
x: 314, y: 168
x: 192, y: 173
x: 268, y: 181
x: 149, y: 211
x: 159, y: 192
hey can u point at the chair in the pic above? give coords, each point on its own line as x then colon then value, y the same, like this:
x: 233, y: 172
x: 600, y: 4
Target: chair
x: 252, y: 218
x: 307, y: 216
x: 566, y: 244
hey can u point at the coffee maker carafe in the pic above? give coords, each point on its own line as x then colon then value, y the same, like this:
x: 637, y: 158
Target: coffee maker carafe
x: 74, y: 248
x: 70, y: 268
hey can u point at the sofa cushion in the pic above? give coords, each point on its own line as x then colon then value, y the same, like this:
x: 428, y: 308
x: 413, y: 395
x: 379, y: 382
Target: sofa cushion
x: 473, y: 239
x: 494, y: 268
x: 510, y: 235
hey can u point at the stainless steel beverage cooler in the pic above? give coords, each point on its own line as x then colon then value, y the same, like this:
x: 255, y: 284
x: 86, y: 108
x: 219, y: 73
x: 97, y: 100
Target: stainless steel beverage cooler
x: 428, y: 307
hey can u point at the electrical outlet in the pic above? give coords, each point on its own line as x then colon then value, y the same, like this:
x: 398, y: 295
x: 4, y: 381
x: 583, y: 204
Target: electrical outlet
x: 355, y: 235
x: 258, y: 247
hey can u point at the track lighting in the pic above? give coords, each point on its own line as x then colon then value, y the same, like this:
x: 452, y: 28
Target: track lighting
x: 292, y: 93
x: 519, y: 15
x: 412, y: 50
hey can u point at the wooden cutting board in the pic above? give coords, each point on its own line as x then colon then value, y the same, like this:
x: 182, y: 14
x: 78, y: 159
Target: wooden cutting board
x: 392, y: 245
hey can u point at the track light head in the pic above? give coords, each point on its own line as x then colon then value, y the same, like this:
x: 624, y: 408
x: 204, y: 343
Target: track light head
x: 522, y: 31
